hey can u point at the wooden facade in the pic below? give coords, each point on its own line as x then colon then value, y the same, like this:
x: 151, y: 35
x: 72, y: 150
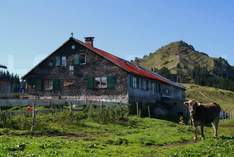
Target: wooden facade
x: 79, y: 70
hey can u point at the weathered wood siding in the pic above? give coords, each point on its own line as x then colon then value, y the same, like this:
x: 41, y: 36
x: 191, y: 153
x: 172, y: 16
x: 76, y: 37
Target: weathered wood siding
x: 143, y: 95
x: 165, y: 100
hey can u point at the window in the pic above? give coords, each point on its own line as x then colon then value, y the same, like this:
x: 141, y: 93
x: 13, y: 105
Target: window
x: 82, y: 59
x: 130, y: 80
x: 64, y: 61
x: 147, y: 85
x: 144, y: 84
x: 138, y: 80
x: 79, y: 59
x: 76, y: 59
x: 140, y: 83
x: 167, y: 91
x: 38, y: 85
x: 71, y: 69
x: 48, y: 85
x: 50, y: 63
x: 100, y: 82
x: 73, y: 47
x: 57, y: 61
x: 134, y: 82
x: 158, y: 87
x: 153, y: 87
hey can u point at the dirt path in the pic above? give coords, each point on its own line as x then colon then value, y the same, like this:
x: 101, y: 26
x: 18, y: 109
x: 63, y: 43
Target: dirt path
x: 179, y: 143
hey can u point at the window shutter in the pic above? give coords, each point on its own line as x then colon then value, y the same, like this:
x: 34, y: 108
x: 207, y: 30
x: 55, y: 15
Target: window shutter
x: 56, y: 85
x: 90, y: 82
x: 38, y: 85
x: 111, y: 82
x: 76, y: 59
x: 30, y: 82
x: 54, y: 62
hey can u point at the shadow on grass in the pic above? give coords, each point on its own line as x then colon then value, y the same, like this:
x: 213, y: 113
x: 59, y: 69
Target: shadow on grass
x: 226, y: 137
x: 49, y: 133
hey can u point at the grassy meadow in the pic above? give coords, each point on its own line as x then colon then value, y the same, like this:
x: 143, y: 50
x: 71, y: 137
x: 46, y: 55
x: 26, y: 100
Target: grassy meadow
x: 110, y: 131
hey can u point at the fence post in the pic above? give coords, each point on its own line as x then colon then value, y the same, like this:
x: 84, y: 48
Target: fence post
x: 33, y: 119
x: 70, y: 107
x: 137, y: 109
x: 71, y: 111
x: 149, y: 111
x: 90, y: 110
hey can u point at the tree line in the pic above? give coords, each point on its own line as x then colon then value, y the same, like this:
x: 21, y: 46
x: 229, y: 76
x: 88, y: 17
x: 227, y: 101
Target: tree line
x: 13, y: 80
x: 200, y: 76
x: 203, y: 77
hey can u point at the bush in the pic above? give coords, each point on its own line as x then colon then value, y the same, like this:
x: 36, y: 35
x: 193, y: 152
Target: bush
x: 107, y: 113
x: 52, y: 123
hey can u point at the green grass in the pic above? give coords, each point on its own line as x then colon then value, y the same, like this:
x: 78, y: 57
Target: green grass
x: 137, y: 137
x: 105, y: 133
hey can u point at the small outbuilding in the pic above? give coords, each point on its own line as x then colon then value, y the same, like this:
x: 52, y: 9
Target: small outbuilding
x: 5, y: 86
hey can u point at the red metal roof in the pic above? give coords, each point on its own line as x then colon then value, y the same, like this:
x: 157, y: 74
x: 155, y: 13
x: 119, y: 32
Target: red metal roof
x: 128, y: 66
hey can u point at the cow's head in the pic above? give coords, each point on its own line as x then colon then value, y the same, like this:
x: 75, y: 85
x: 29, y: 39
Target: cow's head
x: 192, y: 105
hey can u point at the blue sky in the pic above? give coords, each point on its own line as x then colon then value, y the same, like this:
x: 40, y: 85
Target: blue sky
x: 30, y: 30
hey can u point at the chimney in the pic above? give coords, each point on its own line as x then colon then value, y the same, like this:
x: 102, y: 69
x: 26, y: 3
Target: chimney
x: 89, y: 41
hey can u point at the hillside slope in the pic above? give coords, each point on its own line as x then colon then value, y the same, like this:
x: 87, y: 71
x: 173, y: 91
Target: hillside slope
x: 207, y: 94
x: 184, y: 61
x: 177, y: 56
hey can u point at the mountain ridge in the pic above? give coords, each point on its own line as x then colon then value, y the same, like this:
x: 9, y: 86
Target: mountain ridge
x: 188, y: 65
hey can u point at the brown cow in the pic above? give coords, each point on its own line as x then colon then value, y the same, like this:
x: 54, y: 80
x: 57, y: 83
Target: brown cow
x: 203, y: 114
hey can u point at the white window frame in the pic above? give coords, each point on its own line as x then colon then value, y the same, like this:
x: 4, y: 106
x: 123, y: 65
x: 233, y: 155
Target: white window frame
x: 71, y: 68
x: 102, y: 82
